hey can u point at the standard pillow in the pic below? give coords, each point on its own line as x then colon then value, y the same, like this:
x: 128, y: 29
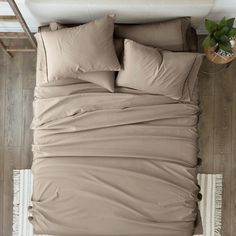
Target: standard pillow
x: 70, y: 52
x: 41, y: 71
x: 168, y: 35
x: 118, y: 42
x: 171, y: 74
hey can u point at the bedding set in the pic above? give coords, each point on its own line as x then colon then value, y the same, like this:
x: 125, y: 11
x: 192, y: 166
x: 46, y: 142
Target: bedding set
x: 115, y: 130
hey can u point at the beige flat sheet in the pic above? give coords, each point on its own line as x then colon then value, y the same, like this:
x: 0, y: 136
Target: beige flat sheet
x: 113, y: 164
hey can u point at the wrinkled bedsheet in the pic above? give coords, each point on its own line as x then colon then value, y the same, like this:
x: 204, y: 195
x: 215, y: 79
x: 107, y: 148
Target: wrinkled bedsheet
x: 107, y: 164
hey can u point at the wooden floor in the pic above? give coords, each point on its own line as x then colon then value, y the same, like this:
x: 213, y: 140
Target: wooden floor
x: 17, y: 80
x: 217, y: 130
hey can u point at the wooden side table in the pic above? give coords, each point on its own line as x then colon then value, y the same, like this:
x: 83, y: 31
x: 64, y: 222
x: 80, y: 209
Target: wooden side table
x: 218, y: 59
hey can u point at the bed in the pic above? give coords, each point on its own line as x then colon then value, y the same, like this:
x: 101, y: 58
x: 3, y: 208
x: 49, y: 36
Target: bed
x: 113, y: 163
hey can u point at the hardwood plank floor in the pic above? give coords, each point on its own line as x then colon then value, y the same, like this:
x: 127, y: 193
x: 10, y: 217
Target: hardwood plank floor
x: 1, y: 206
x: 2, y: 98
x: 233, y: 188
x: 223, y: 94
x: 13, y: 101
x: 27, y: 134
x: 217, y: 128
x: 17, y: 80
x: 10, y: 156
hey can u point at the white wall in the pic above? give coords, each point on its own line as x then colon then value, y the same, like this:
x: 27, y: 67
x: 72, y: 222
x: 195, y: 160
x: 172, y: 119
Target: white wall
x: 219, y: 9
x: 37, y: 12
x: 127, y: 11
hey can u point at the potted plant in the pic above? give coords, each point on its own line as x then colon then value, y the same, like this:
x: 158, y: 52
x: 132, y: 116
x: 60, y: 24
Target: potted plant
x: 221, y: 37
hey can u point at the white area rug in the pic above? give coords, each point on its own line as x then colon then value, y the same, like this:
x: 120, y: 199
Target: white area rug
x: 210, y: 205
x: 23, y: 186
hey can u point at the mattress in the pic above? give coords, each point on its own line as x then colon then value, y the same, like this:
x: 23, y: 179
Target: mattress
x: 120, y: 163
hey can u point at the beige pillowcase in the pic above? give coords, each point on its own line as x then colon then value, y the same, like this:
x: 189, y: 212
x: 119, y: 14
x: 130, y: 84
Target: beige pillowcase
x: 118, y: 42
x: 70, y: 52
x: 168, y: 35
x: 159, y: 72
x: 41, y: 71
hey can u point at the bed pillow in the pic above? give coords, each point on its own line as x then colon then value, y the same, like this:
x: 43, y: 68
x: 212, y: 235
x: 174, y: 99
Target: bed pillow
x: 41, y: 71
x: 169, y: 35
x: 118, y: 42
x: 159, y: 72
x: 73, y: 51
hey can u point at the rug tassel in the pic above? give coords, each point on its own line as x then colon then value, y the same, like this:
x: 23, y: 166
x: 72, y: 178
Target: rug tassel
x: 218, y: 205
x: 16, y: 203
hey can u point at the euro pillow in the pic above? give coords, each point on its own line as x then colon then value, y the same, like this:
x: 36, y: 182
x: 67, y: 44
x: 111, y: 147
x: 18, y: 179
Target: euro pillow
x: 72, y: 52
x: 168, y: 35
x: 172, y: 74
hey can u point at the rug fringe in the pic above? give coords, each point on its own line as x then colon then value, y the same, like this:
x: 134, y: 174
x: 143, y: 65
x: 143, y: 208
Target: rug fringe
x: 16, y: 202
x: 218, y: 204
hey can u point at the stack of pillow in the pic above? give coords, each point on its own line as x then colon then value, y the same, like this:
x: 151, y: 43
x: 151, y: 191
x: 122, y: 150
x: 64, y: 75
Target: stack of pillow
x: 147, y: 57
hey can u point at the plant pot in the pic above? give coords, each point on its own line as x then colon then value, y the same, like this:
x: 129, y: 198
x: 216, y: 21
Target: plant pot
x: 213, y: 55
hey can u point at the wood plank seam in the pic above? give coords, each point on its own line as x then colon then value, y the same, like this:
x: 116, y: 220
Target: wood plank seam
x: 8, y: 18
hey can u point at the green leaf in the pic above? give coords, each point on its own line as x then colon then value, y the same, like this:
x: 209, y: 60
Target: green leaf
x: 225, y: 46
x: 217, y: 35
x: 220, y: 33
x: 223, y: 22
x: 213, y: 42
x: 230, y: 22
x: 224, y: 39
x: 226, y: 49
x: 210, y: 25
x: 224, y: 30
x: 232, y: 32
x: 208, y: 42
